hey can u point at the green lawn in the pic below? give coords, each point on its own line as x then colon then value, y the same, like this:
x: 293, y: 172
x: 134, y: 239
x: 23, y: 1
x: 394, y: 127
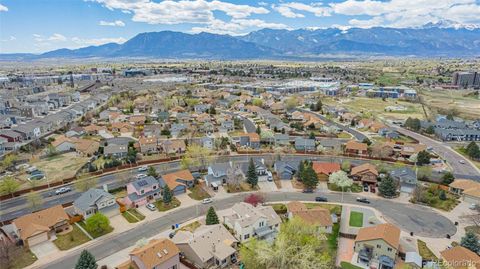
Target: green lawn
x: 334, y: 209
x: 425, y: 252
x: 96, y: 234
x: 346, y: 265
x: 198, y: 193
x: 354, y: 188
x: 164, y: 207
x: 21, y: 258
x: 356, y: 219
x: 74, y: 238
x: 137, y: 214
x: 431, y: 197
x: 129, y: 217
x: 191, y: 227
x: 332, y: 238
x: 279, y: 208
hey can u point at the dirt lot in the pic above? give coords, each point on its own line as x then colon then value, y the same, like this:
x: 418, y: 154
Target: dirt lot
x: 464, y: 105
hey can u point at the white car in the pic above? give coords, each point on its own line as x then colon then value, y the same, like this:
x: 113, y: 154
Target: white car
x: 151, y: 207
x: 461, y: 161
x: 62, y: 190
x: 139, y: 176
x: 142, y: 168
x: 207, y: 201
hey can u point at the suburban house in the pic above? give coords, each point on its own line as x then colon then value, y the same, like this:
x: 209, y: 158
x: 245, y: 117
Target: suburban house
x: 86, y: 147
x: 248, y: 221
x: 250, y: 140
x: 96, y: 200
x: 218, y: 172
x: 117, y: 151
x: 209, y: 246
x: 148, y: 144
x: 356, y: 148
x: 469, y: 190
x: 406, y: 178
x: 281, y: 139
x: 324, y: 170
x: 366, y: 173
x: 11, y: 135
x: 285, y: 170
x: 63, y: 144
x: 157, y: 254
x: 141, y: 191
x: 43, y: 225
x: 173, y: 146
x: 460, y: 257
x: 317, y: 216
x: 304, y: 144
x: 260, y: 169
x: 377, y: 246
x: 178, y: 182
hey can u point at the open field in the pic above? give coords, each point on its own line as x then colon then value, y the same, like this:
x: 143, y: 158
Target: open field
x: 455, y: 100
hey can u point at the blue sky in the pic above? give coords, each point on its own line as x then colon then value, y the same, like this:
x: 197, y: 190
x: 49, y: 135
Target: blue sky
x: 43, y: 25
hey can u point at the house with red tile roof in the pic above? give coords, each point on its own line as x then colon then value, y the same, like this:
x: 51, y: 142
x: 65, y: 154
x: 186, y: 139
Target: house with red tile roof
x: 324, y: 170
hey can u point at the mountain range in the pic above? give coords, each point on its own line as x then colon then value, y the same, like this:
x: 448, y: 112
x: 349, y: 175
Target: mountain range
x: 433, y: 40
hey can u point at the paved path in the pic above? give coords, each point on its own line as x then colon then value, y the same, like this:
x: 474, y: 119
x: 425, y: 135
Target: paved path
x: 466, y: 170
x: 422, y: 221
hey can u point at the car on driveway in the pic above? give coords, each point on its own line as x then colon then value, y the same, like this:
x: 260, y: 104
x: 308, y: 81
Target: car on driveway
x: 321, y: 199
x: 363, y: 200
x: 461, y: 161
x: 151, y: 207
x: 142, y: 168
x: 36, y: 176
x: 207, y: 201
x: 62, y: 190
x: 139, y: 176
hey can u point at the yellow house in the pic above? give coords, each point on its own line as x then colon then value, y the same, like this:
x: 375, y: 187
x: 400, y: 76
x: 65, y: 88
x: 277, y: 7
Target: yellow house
x: 377, y: 246
x: 460, y: 258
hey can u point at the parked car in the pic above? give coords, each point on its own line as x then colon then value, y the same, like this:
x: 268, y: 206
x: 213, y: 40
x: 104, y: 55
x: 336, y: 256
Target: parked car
x: 269, y: 176
x: 473, y: 206
x: 151, y: 207
x: 31, y: 169
x: 307, y: 191
x: 142, y: 168
x: 62, y: 190
x: 207, y: 201
x: 139, y: 176
x: 321, y: 199
x: 461, y: 161
x: 363, y: 200
x: 36, y: 176
x: 365, y: 188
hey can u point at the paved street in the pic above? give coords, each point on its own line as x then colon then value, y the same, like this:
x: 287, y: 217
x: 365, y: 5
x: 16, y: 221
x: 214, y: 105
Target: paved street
x: 18, y: 206
x: 466, y: 170
x: 420, y: 220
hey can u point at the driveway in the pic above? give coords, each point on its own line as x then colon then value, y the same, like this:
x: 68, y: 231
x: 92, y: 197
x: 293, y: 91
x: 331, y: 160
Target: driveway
x: 267, y: 186
x: 44, y: 249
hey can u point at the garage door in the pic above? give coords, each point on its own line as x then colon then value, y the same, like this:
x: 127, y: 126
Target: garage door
x: 37, y: 239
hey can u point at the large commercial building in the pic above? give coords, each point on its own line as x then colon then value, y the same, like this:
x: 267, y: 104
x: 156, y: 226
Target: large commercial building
x: 466, y: 79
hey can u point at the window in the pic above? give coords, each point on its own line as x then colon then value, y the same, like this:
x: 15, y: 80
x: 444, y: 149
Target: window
x: 155, y: 187
x: 246, y: 236
x: 378, y: 246
x: 142, y: 192
x: 389, y: 249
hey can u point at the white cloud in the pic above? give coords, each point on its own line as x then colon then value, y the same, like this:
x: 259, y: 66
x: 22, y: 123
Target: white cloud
x: 287, y: 9
x: 3, y: 8
x: 375, y: 21
x: 237, y: 26
x: 112, y: 23
x: 96, y: 41
x: 54, y: 38
x: 10, y: 38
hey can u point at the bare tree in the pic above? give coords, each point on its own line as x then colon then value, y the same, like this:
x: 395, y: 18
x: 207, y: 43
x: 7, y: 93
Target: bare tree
x: 235, y: 176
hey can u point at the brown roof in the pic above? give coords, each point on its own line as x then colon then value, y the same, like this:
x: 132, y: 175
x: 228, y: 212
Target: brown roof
x: 325, y: 168
x: 40, y: 221
x: 171, y: 179
x: 461, y: 257
x: 93, y: 128
x: 60, y: 139
x: 387, y: 232
x: 156, y: 252
x: 147, y: 140
x: 352, y: 144
x: 254, y: 137
x: 317, y: 216
x: 86, y: 146
x: 473, y: 192
x: 296, y: 206
x: 464, y: 184
x: 363, y: 168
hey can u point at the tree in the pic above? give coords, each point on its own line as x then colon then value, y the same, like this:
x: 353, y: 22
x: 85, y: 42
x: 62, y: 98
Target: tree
x: 341, y: 179
x: 310, y: 180
x: 291, y: 102
x: 257, y: 102
x: 254, y: 199
x: 312, y: 135
x: 86, y: 261
x: 196, y: 156
x: 346, y: 165
x: 97, y: 223
x: 442, y: 195
x: 318, y: 105
x: 167, y: 194
x: 258, y: 130
x: 423, y: 157
x: 387, y: 187
x: 9, y: 254
x: 35, y: 200
x: 51, y: 151
x: 367, y: 141
x: 152, y: 172
x: 212, y: 217
x: 83, y: 184
x: 8, y: 161
x: 9, y: 185
x: 447, y: 178
x: 470, y: 241
x: 298, y: 245
x: 252, y: 177
x: 430, y: 130
x: 301, y: 171
x: 473, y: 151
x: 212, y: 111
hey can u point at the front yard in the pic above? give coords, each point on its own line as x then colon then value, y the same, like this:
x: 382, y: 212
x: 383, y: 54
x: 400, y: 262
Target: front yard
x: 97, y: 233
x: 435, y: 197
x: 161, y: 206
x: 132, y: 215
x: 198, y: 193
x: 356, y: 219
x: 72, y: 239
x: 354, y: 188
x: 242, y: 187
x: 21, y: 258
x: 425, y: 252
x: 191, y: 227
x: 334, y: 209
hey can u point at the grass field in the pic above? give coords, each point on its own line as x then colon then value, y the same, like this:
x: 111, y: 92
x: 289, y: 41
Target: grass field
x: 74, y: 238
x: 164, y: 207
x: 425, y: 252
x: 95, y: 234
x: 457, y: 100
x: 346, y: 265
x: 22, y: 258
x: 356, y: 219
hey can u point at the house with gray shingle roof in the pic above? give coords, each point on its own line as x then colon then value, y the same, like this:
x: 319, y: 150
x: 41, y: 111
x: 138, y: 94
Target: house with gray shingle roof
x: 96, y: 200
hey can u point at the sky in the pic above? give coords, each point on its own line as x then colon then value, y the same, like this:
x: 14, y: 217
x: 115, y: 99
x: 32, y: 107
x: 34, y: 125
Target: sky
x: 37, y: 26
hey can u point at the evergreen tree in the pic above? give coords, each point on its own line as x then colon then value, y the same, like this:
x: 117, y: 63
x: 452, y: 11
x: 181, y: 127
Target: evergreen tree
x: 310, y: 179
x: 301, y: 171
x: 447, y: 178
x: 442, y: 195
x: 430, y: 130
x: 212, y: 217
x: 167, y: 194
x: 387, y: 187
x: 86, y: 261
x: 152, y: 172
x: 319, y: 105
x: 252, y: 177
x: 312, y: 135
x: 423, y: 157
x: 473, y: 151
x: 470, y: 241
